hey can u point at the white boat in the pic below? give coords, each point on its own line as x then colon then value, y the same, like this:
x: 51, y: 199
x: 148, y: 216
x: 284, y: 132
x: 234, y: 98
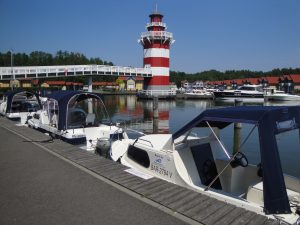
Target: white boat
x: 245, y: 93
x: 77, y: 117
x: 276, y: 95
x: 19, y: 105
x: 203, y: 164
x: 198, y: 94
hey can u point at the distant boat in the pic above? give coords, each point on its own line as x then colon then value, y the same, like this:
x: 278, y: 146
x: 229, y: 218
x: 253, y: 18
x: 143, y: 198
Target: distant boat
x: 275, y: 95
x: 199, y: 94
x: 203, y: 164
x: 245, y: 93
x: 19, y: 105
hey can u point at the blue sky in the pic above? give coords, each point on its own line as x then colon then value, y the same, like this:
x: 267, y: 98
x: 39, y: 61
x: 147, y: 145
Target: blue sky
x: 209, y: 34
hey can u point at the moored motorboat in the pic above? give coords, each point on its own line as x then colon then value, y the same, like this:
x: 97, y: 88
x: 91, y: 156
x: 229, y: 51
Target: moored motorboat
x: 276, y: 95
x: 19, y: 105
x: 198, y: 94
x: 76, y: 117
x: 202, y: 163
x: 245, y: 93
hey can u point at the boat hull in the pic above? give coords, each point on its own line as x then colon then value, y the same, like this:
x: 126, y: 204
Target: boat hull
x: 198, y: 96
x: 282, y: 97
x: 237, y: 96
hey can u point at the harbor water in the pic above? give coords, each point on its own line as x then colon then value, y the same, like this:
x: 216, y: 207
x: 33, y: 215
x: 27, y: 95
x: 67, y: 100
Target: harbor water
x: 172, y: 115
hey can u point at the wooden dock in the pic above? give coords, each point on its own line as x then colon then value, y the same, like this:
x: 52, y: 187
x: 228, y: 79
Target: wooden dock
x: 188, y: 205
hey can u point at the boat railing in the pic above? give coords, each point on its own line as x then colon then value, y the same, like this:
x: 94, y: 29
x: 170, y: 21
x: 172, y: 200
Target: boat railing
x: 141, y: 139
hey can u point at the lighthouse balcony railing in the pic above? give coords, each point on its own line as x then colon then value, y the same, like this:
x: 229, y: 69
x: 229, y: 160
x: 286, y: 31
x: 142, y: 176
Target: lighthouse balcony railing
x: 157, y: 34
x: 156, y: 24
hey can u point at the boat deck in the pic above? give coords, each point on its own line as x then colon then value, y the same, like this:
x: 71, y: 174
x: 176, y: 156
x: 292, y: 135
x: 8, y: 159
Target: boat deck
x: 184, y: 204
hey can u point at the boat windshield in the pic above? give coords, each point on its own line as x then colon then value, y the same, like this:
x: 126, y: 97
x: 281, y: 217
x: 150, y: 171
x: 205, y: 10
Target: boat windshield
x: 24, y: 102
x: 251, y: 88
x: 88, y: 112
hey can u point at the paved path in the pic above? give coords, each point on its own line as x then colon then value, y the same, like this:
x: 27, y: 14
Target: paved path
x: 37, y: 187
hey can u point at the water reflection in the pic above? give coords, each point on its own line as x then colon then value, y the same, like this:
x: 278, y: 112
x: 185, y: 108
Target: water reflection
x: 139, y: 114
x: 172, y: 115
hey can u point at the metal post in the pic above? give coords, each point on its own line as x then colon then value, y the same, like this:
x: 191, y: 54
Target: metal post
x: 12, y: 62
x: 90, y: 84
x: 237, y: 131
x: 12, y: 69
x: 90, y: 89
x: 155, y: 114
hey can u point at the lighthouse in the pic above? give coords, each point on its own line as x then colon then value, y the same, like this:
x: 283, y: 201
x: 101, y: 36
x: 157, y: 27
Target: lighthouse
x: 156, y: 43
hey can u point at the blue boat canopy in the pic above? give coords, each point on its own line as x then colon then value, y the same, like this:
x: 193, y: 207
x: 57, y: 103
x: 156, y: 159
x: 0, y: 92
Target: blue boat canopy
x: 63, y: 99
x: 270, y: 121
x: 11, y: 94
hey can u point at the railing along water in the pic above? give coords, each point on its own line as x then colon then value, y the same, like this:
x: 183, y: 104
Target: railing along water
x: 8, y: 73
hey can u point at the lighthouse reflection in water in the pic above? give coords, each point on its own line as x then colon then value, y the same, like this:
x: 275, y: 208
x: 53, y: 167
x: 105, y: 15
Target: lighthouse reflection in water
x: 139, y: 114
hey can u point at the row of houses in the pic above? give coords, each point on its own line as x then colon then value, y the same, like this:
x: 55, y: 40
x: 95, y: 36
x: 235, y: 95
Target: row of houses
x: 287, y: 83
x: 122, y: 83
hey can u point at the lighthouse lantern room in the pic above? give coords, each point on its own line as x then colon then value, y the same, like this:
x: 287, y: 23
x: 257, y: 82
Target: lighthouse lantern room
x: 156, y: 42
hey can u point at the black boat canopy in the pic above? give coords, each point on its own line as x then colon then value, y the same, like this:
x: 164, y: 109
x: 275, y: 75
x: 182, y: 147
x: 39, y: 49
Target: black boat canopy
x: 11, y: 94
x: 270, y: 120
x: 63, y: 99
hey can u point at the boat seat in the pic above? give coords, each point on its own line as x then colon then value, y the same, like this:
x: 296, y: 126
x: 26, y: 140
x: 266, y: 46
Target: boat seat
x: 90, y: 120
x: 236, y: 180
x: 54, y: 120
x: 205, y: 164
x: 23, y: 117
x: 255, y: 192
x: 44, y: 118
x: 91, y: 135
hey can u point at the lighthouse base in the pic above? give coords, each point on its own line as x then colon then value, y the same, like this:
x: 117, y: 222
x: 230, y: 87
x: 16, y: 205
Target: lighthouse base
x: 160, y: 94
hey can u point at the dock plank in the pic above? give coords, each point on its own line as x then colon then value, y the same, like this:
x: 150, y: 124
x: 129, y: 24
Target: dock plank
x: 126, y: 177
x: 147, y: 189
x: 257, y: 220
x: 157, y: 189
x: 210, y: 209
x: 244, y: 218
x: 193, y: 212
x: 168, y: 190
x: 90, y: 163
x: 86, y: 161
x: 188, y: 198
x: 192, y: 204
x: 231, y: 216
x: 182, y: 195
x: 131, y: 182
x: 217, y: 215
x: 146, y: 183
x: 164, y: 197
x: 274, y: 222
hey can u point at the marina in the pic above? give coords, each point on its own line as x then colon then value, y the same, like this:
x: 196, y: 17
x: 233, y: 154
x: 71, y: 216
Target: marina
x: 209, y: 137
x: 138, y: 115
x: 185, y: 204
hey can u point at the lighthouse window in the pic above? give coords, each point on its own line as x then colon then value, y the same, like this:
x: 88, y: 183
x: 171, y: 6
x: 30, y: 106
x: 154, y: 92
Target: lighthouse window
x: 139, y: 156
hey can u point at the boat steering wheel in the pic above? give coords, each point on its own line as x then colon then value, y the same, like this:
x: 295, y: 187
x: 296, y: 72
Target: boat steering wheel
x: 239, y: 160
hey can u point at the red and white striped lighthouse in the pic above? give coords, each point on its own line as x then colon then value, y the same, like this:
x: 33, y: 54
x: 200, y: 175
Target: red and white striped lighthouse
x: 156, y: 42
